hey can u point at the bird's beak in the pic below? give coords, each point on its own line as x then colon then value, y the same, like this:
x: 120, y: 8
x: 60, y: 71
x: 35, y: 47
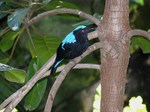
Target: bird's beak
x: 90, y: 29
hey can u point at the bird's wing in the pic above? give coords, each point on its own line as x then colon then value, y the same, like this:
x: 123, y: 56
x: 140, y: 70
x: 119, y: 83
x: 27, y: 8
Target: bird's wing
x: 69, y: 39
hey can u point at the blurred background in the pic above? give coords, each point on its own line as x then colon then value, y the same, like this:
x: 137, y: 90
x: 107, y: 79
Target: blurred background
x: 76, y: 94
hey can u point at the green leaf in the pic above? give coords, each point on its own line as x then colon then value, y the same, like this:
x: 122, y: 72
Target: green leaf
x: 13, y: 74
x: 4, y: 57
x: 45, y: 47
x: 140, y: 2
x: 34, y: 97
x: 3, y: 7
x: 142, y: 42
x: 97, y: 99
x: 7, y: 40
x: 16, y: 18
x: 56, y: 4
x: 1, y: 2
x: 46, y: 1
x: 4, y: 67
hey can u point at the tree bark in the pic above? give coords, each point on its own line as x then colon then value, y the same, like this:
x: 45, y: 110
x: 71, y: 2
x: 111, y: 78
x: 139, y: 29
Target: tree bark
x: 114, y: 55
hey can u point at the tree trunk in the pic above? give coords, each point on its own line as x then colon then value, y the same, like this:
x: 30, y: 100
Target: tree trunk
x: 114, y: 55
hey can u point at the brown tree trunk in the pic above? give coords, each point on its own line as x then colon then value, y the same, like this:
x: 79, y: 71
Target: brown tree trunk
x: 114, y: 55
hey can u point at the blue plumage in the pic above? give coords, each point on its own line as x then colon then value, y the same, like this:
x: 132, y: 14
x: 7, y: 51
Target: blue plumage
x: 73, y: 45
x: 70, y: 38
x: 57, y: 63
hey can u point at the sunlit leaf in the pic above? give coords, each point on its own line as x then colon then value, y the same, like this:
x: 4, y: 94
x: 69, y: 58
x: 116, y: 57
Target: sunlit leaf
x: 7, y: 40
x: 97, y: 98
x: 13, y: 74
x: 135, y: 105
x: 34, y: 97
x: 15, y: 19
x: 4, y: 67
x: 142, y: 42
x: 140, y: 2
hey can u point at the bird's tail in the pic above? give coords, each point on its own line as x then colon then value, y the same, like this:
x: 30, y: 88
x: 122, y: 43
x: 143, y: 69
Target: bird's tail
x: 53, y: 70
x: 54, y: 67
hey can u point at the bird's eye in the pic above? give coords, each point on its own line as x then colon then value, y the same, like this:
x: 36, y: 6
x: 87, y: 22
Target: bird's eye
x: 82, y: 31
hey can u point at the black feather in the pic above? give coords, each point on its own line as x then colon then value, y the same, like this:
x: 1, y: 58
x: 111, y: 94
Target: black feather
x: 74, y: 44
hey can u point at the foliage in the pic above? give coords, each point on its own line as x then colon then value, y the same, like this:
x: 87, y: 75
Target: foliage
x: 35, y: 96
x: 21, y: 56
x: 40, y: 48
x: 16, y: 18
x: 13, y: 74
x: 97, y: 98
x: 140, y: 42
x: 140, y: 2
x: 135, y: 103
x: 7, y: 40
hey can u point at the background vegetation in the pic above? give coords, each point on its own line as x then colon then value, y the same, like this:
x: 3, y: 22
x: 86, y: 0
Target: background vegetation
x: 25, y: 55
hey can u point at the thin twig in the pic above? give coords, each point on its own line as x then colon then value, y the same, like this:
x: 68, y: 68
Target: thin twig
x: 63, y: 74
x: 4, y: 31
x: 34, y: 79
x: 37, y: 31
x: 25, y: 89
x: 7, y: 101
x: 85, y: 66
x: 64, y: 11
x: 29, y: 34
x: 139, y: 32
x: 14, y: 46
x: 77, y: 66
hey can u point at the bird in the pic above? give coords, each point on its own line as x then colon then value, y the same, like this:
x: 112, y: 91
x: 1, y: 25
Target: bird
x: 73, y: 45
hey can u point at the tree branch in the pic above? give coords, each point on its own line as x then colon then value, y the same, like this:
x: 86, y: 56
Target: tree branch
x: 30, y: 38
x: 78, y: 66
x: 63, y: 74
x: 135, y: 32
x: 8, y: 100
x: 15, y: 98
x: 25, y: 89
x: 92, y: 35
x: 64, y: 11
x: 86, y: 66
x: 59, y: 69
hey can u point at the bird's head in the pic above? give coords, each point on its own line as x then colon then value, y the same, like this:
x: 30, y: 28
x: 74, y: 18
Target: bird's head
x: 84, y: 29
x: 81, y: 33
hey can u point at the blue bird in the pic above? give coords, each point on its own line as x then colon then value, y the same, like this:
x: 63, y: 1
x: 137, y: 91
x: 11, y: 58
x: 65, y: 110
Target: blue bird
x: 73, y: 45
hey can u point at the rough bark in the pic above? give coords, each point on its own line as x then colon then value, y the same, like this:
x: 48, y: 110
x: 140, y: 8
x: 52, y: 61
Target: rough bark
x: 114, y: 55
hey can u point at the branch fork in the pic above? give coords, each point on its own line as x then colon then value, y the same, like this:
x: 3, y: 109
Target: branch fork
x: 15, y: 98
